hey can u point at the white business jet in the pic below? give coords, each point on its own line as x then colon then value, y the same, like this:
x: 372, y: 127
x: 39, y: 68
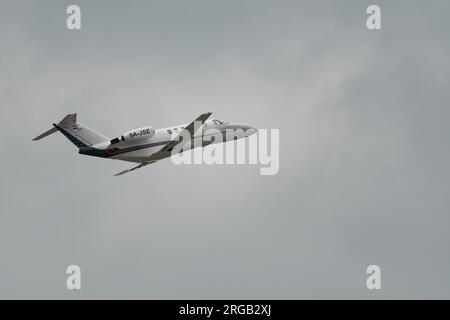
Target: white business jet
x: 147, y: 145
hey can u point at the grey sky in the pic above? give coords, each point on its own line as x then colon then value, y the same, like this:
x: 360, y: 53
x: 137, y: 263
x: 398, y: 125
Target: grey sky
x: 364, y: 149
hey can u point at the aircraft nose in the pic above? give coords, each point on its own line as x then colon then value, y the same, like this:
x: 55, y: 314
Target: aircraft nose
x: 249, y: 130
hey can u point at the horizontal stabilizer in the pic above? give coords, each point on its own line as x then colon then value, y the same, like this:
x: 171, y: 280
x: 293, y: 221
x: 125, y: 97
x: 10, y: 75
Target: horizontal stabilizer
x: 46, y: 133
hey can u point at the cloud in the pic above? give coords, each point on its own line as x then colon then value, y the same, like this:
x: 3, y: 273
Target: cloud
x: 364, y: 158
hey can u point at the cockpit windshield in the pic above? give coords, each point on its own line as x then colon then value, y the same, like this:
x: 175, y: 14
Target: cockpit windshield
x: 217, y: 122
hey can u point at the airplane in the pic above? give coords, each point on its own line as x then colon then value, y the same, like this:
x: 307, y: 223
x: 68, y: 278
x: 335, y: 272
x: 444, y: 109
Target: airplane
x: 147, y: 145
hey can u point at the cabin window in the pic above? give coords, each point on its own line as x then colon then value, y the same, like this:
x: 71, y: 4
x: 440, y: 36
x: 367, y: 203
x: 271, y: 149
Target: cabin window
x: 114, y: 141
x: 169, y: 131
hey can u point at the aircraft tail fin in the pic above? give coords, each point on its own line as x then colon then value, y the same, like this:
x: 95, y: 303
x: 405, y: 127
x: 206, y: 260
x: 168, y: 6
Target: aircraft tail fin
x: 78, y: 134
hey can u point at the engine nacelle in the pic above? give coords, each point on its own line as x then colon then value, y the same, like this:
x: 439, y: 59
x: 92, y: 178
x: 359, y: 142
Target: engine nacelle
x: 138, y: 134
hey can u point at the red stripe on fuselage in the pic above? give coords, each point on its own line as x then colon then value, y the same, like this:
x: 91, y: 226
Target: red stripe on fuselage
x: 116, y: 151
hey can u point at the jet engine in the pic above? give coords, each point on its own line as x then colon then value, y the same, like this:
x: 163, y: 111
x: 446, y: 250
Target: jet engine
x: 138, y: 134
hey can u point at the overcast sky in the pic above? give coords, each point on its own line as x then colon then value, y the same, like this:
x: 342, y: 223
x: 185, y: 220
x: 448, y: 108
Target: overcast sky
x: 364, y: 149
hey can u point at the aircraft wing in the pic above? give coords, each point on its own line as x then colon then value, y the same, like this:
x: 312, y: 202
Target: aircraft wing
x: 190, y: 130
x: 163, y: 153
x: 140, y: 165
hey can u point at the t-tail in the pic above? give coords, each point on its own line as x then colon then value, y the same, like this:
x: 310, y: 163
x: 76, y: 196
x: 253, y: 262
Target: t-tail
x: 78, y: 134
